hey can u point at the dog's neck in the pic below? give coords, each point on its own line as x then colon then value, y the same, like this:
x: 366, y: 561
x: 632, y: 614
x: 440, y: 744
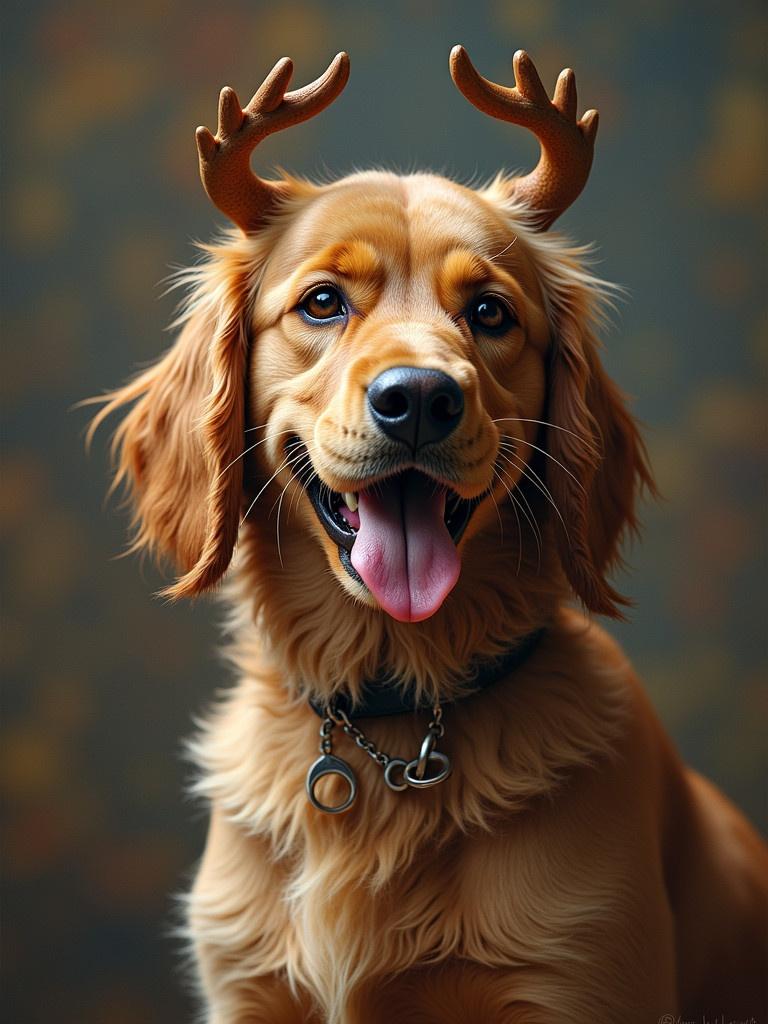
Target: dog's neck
x: 385, y: 696
x: 322, y: 641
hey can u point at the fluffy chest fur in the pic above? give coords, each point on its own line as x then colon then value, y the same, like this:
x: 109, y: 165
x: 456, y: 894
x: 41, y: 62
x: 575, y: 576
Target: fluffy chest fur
x: 349, y: 907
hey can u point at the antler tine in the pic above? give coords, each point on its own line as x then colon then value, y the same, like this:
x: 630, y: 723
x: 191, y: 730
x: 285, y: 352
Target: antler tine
x: 225, y: 159
x: 567, y: 144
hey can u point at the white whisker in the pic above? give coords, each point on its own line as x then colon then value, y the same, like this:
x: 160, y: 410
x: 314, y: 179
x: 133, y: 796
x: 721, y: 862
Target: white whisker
x: 250, y: 449
x: 556, y: 461
x: 279, y: 502
x: 304, y: 479
x: 517, y: 520
x: 532, y: 520
x: 498, y: 516
x: 545, y: 423
x: 289, y: 461
x: 277, y: 526
x: 536, y: 480
x: 505, y: 249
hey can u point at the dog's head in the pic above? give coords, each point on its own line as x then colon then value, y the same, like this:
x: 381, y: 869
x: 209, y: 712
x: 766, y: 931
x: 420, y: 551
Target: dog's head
x: 402, y: 361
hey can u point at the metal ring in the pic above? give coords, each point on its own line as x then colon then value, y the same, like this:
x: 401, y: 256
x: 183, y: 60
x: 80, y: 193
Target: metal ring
x: 395, y: 762
x: 328, y: 764
x: 411, y: 769
x: 427, y: 746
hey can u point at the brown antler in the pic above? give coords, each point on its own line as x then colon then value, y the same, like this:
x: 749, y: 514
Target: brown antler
x: 225, y: 160
x: 567, y: 145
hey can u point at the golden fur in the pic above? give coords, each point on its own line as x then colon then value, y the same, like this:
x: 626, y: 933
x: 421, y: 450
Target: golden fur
x: 571, y: 869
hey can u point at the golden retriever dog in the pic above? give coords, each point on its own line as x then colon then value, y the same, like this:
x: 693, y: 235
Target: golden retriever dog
x: 386, y: 394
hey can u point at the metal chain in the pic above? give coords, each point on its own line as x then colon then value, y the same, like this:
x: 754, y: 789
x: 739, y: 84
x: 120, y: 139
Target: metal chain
x: 340, y: 717
x: 436, y: 725
x: 326, y: 742
x: 399, y: 774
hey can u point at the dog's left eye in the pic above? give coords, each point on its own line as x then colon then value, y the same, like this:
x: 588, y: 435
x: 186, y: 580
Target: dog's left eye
x: 490, y: 314
x: 323, y: 303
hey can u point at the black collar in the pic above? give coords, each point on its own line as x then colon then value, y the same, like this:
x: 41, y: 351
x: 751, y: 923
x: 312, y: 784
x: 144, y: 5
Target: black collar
x: 379, y: 697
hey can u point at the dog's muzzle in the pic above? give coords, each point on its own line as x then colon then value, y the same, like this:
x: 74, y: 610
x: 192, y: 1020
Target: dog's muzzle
x: 397, y: 536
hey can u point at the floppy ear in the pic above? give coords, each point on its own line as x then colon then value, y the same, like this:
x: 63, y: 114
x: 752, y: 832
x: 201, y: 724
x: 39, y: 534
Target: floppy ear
x: 603, y: 459
x: 176, y: 448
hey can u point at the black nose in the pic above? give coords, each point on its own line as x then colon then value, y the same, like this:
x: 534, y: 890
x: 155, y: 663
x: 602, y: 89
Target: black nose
x: 415, y: 406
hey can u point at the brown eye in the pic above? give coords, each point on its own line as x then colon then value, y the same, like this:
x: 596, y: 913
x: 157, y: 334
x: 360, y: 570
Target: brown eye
x: 323, y: 303
x: 490, y: 314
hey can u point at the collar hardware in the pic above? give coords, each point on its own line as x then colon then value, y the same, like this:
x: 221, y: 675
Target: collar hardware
x: 431, y: 766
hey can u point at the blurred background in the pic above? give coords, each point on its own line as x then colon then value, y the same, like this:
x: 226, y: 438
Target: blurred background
x: 102, y: 198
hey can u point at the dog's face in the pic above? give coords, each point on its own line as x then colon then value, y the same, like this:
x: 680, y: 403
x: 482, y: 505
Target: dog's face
x: 409, y: 358
x: 400, y: 338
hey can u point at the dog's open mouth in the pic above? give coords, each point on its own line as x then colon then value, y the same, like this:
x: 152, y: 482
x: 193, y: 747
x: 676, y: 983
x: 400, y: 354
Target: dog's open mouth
x: 398, y: 537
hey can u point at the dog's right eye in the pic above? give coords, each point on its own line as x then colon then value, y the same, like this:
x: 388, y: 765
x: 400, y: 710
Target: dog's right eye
x: 322, y: 303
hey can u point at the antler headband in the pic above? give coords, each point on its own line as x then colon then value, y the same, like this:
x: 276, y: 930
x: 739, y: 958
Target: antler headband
x: 225, y: 160
x: 567, y: 144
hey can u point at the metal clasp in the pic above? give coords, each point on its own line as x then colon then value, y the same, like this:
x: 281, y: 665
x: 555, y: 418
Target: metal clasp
x: 329, y: 764
x: 415, y: 773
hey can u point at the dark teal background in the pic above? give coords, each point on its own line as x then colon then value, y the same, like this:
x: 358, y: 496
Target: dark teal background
x: 101, y: 198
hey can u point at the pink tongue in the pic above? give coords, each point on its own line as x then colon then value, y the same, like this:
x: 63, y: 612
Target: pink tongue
x: 403, y: 550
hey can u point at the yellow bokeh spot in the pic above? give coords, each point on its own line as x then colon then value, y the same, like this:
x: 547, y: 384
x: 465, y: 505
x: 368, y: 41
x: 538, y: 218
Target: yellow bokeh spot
x: 29, y: 765
x: 519, y: 20
x: 98, y: 90
x: 733, y: 165
x: 40, y: 213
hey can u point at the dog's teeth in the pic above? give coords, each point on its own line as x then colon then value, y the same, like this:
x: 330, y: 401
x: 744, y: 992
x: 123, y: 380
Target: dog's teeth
x: 350, y: 500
